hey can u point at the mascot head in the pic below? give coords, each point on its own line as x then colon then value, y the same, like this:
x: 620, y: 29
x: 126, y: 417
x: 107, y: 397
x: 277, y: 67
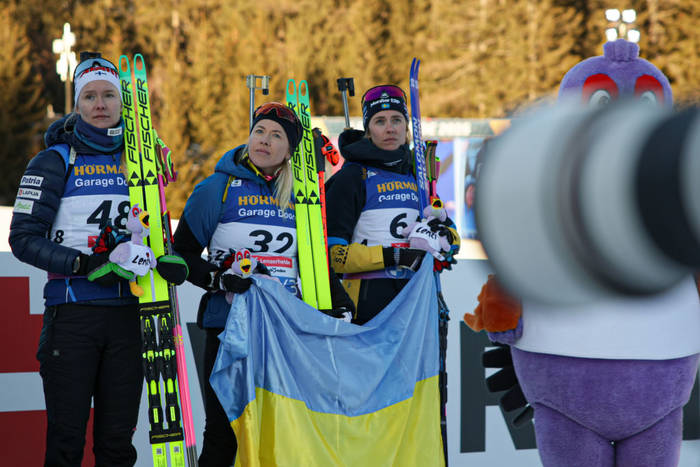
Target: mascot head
x: 618, y: 74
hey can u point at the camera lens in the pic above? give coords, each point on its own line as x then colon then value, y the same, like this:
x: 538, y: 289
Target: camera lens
x: 574, y: 205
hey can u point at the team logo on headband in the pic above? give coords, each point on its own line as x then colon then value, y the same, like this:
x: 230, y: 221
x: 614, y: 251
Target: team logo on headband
x: 99, y: 70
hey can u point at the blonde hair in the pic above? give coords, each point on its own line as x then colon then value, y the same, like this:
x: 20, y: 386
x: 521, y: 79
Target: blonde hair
x: 283, y: 180
x: 283, y: 185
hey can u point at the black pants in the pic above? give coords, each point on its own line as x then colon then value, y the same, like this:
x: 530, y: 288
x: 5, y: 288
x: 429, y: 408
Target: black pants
x: 375, y: 295
x: 219, y: 445
x: 91, y: 352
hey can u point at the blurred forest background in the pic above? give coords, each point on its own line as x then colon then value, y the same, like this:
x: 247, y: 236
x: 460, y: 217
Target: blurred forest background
x: 480, y: 59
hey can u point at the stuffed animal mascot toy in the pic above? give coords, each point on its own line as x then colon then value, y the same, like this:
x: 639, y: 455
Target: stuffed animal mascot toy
x: 425, y: 235
x: 608, y: 380
x: 134, y: 255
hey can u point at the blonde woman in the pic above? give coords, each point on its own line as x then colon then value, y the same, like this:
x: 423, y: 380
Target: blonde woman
x: 245, y: 204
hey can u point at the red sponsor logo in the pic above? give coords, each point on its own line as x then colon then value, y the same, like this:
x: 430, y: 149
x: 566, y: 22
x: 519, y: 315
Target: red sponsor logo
x: 275, y: 261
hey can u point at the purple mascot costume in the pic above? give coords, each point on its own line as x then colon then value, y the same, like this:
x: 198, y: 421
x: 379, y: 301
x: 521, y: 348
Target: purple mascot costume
x: 608, y: 380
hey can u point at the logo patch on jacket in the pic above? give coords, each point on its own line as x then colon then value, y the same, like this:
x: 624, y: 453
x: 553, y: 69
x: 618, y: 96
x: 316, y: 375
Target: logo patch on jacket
x: 31, y: 180
x: 23, y: 206
x: 28, y: 193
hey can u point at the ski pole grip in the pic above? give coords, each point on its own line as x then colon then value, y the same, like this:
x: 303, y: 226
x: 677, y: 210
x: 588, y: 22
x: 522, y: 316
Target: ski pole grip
x: 345, y: 86
x: 252, y: 82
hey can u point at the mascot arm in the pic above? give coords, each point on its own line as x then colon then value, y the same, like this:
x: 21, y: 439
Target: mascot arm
x: 497, y: 312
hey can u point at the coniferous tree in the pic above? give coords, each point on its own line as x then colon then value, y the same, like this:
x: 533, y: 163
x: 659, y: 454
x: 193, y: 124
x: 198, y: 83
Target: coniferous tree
x: 21, y: 104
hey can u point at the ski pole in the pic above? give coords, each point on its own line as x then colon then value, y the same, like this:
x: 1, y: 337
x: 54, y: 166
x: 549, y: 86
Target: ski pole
x: 167, y: 174
x: 252, y: 82
x: 345, y: 86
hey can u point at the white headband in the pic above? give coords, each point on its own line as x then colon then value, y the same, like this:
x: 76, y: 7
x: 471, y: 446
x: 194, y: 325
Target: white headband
x: 94, y: 73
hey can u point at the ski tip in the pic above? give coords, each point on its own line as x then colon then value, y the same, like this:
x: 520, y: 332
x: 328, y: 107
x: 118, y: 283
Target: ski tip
x: 124, y: 66
x: 291, y: 86
x: 139, y: 63
x: 303, y: 88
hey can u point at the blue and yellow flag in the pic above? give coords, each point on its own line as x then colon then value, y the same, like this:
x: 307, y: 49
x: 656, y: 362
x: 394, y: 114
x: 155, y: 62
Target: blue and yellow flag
x: 304, y: 389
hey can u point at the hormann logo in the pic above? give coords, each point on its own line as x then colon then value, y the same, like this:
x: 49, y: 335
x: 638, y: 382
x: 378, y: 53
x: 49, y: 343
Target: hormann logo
x: 256, y: 200
x: 31, y: 180
x: 392, y: 186
x: 81, y: 170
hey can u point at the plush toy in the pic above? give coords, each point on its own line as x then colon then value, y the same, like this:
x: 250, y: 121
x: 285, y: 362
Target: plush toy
x: 424, y: 234
x: 133, y: 255
x: 607, y: 380
x: 240, y: 263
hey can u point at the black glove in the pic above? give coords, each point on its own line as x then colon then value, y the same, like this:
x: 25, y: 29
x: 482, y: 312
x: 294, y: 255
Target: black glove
x: 99, y: 269
x: 262, y: 269
x: 507, y: 380
x: 172, y: 268
x: 441, y: 228
x: 229, y: 282
x: 339, y: 297
x: 409, y: 258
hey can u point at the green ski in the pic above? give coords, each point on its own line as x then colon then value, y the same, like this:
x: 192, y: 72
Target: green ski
x: 311, y: 244
x: 154, y: 305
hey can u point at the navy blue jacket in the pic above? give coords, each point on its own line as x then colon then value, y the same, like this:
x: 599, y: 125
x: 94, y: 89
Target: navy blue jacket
x: 29, y: 231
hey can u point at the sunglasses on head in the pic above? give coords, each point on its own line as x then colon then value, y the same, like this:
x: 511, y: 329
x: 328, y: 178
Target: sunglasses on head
x: 387, y: 90
x: 280, y: 110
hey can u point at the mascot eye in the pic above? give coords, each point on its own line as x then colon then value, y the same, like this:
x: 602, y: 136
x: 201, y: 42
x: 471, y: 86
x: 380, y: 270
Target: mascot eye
x: 598, y: 90
x: 239, y: 256
x: 649, y: 90
x: 246, y: 254
x: 135, y: 211
x: 648, y: 97
x: 600, y: 98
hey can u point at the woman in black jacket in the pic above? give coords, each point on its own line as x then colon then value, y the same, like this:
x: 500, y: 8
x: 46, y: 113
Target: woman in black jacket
x: 369, y: 202
x: 90, y: 344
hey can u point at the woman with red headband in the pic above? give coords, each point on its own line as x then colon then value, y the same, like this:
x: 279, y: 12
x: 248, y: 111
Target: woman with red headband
x: 370, y: 200
x: 245, y: 204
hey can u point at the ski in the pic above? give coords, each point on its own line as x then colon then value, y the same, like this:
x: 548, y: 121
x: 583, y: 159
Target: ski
x: 418, y: 150
x: 426, y: 194
x: 308, y: 206
x: 154, y: 305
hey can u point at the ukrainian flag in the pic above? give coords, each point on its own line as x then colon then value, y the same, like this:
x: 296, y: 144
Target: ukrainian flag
x: 304, y: 389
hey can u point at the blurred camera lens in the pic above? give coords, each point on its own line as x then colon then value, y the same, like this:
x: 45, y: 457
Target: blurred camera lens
x: 573, y: 205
